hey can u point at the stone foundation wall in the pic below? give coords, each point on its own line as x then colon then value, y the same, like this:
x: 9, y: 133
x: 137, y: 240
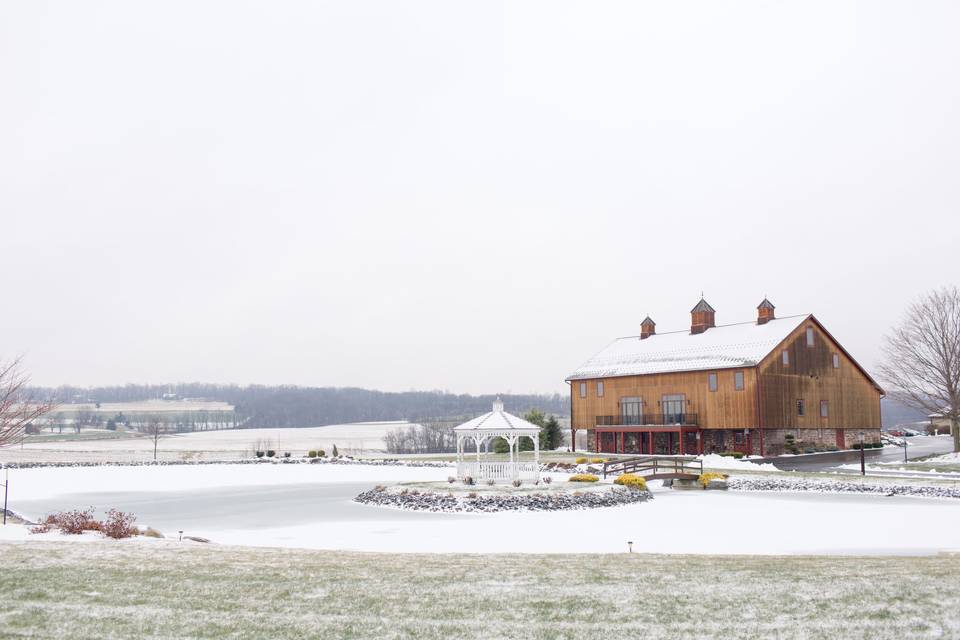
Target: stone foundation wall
x: 774, y: 440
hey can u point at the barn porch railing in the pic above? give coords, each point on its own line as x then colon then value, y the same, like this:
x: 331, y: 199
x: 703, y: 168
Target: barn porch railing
x: 648, y: 419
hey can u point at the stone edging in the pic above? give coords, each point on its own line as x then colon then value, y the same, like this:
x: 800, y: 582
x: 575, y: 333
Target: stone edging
x: 440, y: 502
x: 840, y: 486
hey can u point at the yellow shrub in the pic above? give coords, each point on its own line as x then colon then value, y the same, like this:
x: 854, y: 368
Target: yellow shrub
x: 581, y: 461
x: 705, y: 478
x: 583, y: 477
x: 632, y: 481
x: 597, y: 461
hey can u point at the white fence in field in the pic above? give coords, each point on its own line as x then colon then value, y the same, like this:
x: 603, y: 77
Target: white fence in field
x: 499, y: 471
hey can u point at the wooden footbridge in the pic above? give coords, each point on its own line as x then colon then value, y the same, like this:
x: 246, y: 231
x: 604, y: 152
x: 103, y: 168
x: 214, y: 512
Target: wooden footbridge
x: 656, y: 467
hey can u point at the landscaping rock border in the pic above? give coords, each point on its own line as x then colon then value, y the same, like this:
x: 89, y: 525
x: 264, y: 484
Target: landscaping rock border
x: 439, y: 502
x: 840, y: 486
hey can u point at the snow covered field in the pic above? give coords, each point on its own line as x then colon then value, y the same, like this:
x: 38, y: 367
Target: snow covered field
x: 354, y: 439
x: 310, y: 506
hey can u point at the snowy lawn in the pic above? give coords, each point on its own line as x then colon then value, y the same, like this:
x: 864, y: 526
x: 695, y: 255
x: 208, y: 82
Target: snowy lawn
x: 354, y: 439
x: 310, y: 506
x: 168, y: 590
x: 945, y: 463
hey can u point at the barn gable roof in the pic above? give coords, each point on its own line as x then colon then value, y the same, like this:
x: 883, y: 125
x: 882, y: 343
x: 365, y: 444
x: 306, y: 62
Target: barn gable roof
x: 731, y: 346
x: 727, y: 346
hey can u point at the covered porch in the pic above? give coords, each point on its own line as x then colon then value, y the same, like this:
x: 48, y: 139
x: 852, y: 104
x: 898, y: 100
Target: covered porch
x: 649, y: 440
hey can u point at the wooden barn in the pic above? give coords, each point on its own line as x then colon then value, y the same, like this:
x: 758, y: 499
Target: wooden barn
x: 754, y: 387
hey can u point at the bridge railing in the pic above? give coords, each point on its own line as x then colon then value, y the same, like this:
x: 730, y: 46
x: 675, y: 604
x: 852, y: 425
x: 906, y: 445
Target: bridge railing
x: 655, y: 465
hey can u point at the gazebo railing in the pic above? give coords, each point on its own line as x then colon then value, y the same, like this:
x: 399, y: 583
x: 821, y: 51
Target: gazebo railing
x: 499, y: 470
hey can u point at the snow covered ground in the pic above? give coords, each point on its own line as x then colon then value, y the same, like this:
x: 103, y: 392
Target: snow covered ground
x: 354, y: 439
x: 310, y: 506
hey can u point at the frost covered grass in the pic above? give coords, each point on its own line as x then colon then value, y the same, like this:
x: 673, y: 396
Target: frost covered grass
x: 227, y: 444
x: 165, y: 590
x: 945, y: 463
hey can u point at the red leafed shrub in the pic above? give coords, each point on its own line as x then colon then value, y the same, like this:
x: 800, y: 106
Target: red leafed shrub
x: 119, y: 525
x: 40, y: 528
x: 74, y: 522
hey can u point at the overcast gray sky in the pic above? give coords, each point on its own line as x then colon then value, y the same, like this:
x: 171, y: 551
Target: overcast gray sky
x: 465, y: 196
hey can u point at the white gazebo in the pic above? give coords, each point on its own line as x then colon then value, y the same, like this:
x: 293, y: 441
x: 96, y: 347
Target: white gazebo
x: 497, y: 424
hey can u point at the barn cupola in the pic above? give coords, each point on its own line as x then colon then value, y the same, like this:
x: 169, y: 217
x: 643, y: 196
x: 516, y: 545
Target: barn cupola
x: 701, y: 317
x: 765, y: 312
x: 647, y: 328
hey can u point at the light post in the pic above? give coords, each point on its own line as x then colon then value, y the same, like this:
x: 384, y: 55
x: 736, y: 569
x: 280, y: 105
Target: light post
x: 863, y: 462
x: 6, y: 484
x: 630, y: 545
x: 904, y: 448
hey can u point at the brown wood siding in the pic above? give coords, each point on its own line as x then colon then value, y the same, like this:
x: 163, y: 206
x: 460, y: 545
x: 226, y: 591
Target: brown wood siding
x: 853, y: 401
x: 725, y: 408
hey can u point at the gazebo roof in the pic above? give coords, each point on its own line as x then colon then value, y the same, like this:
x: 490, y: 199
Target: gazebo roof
x: 498, y: 421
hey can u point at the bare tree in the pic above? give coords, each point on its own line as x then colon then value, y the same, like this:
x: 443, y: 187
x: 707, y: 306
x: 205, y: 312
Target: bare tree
x: 922, y: 357
x: 17, y: 408
x: 155, y: 427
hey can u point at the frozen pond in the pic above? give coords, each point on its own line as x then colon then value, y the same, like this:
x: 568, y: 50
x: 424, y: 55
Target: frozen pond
x: 310, y: 506
x: 229, y: 508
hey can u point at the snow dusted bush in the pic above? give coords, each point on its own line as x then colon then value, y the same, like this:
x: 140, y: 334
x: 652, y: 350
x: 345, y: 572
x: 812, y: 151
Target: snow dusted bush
x: 547, y: 480
x: 583, y: 477
x: 631, y: 481
x: 271, y: 453
x: 705, y: 478
x: 119, y: 525
x: 581, y: 461
x: 516, y: 483
x: 74, y: 522
x: 491, y: 481
x: 312, y: 453
x: 468, y: 480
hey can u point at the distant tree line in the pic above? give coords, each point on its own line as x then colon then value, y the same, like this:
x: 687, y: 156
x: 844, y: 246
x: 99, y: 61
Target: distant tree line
x: 293, y: 406
x: 438, y: 436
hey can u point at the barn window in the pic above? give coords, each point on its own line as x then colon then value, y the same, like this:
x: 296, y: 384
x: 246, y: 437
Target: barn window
x: 738, y: 437
x: 600, y: 388
x: 809, y: 336
x: 583, y: 389
x: 712, y: 381
x: 824, y: 409
x: 836, y: 361
x: 738, y: 381
x: 786, y: 357
x: 801, y: 407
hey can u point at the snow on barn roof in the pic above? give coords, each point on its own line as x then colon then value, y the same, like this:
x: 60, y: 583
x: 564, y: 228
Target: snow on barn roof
x: 497, y: 420
x: 723, y: 347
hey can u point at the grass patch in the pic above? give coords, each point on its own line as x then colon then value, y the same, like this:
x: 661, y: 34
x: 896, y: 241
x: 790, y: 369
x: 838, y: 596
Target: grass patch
x: 166, y: 590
